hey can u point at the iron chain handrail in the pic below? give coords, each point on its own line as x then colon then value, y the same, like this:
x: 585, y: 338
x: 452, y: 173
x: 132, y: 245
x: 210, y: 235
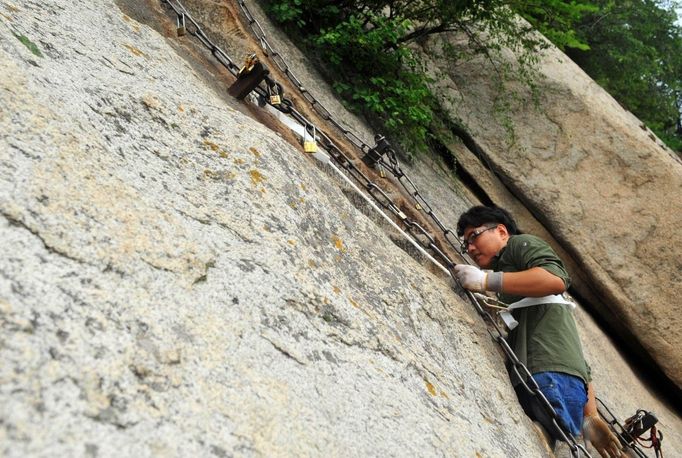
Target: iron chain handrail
x: 393, y: 166
x: 379, y: 195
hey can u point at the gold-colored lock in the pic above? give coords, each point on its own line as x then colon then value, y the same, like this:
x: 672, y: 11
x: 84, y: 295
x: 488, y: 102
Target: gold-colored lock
x: 182, y: 30
x: 273, y: 91
x: 309, y: 146
x: 418, y: 206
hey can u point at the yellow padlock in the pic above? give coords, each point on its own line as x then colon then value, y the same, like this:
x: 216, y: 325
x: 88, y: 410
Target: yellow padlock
x: 275, y: 99
x: 309, y: 146
x: 182, y: 30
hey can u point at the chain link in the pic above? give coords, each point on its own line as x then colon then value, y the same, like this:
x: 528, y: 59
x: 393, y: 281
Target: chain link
x: 412, y: 227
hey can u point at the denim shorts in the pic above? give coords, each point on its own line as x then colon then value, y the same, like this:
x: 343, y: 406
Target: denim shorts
x: 566, y: 393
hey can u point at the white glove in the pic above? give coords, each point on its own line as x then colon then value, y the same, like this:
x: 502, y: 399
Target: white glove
x: 475, y: 279
x: 472, y: 278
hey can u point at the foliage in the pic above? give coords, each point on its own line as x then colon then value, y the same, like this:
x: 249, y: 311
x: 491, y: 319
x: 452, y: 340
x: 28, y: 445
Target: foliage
x: 557, y: 19
x: 631, y: 47
x: 636, y: 55
x: 365, y: 46
x: 380, y: 76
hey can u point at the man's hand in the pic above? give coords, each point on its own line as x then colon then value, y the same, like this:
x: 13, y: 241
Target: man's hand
x: 475, y: 279
x: 597, y: 431
x: 472, y: 278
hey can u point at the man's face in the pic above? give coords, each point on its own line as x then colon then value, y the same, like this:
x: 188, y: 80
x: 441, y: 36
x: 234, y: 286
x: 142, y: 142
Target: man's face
x: 484, y: 242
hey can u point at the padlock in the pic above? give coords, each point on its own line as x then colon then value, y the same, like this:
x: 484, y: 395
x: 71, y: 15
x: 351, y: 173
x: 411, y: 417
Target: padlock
x: 274, y: 91
x: 309, y: 146
x: 182, y: 30
x: 418, y: 206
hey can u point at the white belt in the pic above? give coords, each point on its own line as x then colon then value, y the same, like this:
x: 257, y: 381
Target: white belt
x: 509, y: 320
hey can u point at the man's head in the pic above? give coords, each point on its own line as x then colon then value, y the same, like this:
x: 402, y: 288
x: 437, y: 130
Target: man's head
x: 485, y: 231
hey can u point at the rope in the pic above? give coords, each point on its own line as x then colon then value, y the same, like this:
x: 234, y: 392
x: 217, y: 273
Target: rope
x: 411, y: 227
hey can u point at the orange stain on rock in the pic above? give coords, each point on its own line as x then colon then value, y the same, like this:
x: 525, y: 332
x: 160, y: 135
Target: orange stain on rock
x: 210, y: 144
x: 430, y: 388
x: 134, y: 50
x: 256, y: 177
x: 338, y: 243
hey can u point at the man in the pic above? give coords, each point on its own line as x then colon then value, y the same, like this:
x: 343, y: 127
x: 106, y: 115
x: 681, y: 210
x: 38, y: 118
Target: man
x: 546, y: 338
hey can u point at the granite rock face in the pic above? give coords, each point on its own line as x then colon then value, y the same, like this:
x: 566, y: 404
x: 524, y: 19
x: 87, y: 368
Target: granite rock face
x: 176, y: 279
x: 602, y: 184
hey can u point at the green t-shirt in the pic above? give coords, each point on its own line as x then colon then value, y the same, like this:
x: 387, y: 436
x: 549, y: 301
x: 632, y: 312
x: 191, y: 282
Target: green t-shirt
x: 546, y: 338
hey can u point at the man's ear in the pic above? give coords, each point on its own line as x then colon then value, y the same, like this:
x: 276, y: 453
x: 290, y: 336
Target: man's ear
x: 502, y: 230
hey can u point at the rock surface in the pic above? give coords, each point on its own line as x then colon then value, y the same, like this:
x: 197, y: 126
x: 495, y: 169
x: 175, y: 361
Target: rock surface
x: 176, y: 279
x: 600, y: 183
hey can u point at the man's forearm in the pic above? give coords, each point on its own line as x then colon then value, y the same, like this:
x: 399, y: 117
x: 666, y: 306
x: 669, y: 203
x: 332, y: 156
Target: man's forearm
x: 534, y: 282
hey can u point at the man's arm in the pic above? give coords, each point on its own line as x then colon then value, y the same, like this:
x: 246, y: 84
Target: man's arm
x: 597, y: 431
x: 534, y: 282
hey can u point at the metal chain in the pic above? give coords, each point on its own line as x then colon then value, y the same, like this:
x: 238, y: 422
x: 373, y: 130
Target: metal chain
x: 422, y: 236
x: 409, y: 186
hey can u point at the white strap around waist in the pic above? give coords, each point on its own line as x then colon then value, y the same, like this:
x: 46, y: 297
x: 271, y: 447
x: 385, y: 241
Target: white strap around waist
x: 509, y: 320
x: 551, y: 299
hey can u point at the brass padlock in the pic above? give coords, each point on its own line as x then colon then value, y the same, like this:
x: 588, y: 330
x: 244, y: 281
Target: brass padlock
x: 274, y: 93
x: 182, y: 30
x: 309, y: 146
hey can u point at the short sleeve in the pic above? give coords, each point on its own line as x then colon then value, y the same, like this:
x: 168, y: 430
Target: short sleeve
x: 529, y: 251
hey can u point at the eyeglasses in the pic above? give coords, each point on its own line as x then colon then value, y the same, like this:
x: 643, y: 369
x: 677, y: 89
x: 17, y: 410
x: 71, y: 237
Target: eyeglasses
x: 473, y: 236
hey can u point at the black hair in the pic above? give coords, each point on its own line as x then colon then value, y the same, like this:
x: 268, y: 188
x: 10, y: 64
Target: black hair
x: 480, y: 215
